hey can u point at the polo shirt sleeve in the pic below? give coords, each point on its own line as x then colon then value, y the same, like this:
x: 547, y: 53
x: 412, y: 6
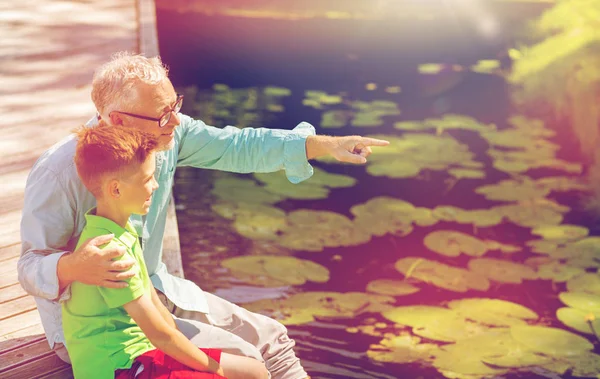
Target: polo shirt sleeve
x: 244, y: 150
x: 117, y: 297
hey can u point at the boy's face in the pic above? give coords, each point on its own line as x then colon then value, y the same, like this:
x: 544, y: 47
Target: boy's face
x: 136, y: 187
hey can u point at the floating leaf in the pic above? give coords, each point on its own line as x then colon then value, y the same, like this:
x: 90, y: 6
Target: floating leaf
x: 531, y: 214
x: 584, y: 301
x: 512, y: 190
x: 518, y: 359
x: 420, y: 315
x: 441, y: 275
x: 401, y: 349
x: 542, y: 246
x: 561, y: 233
x: 558, y: 272
x: 466, y: 173
x: 577, y: 319
x: 276, y: 91
x: 313, y: 230
x: 452, y: 358
x: 585, y: 365
x: 450, y: 330
x: 313, y: 188
x: 391, y: 287
x: 585, y: 283
x: 335, y: 119
x: 550, y: 341
x: 237, y: 190
x: 287, y: 270
x: 304, y: 307
x: 505, y: 248
x: 493, y: 311
x: 502, y: 271
x: 452, y: 243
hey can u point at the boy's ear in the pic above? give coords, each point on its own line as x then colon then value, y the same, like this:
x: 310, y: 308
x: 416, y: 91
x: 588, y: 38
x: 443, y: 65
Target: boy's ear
x: 113, y: 188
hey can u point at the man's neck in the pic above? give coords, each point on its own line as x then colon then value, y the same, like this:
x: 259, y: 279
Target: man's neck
x: 112, y: 213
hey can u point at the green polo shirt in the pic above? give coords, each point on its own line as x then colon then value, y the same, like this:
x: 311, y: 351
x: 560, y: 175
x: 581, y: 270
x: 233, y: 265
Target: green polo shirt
x: 100, y: 336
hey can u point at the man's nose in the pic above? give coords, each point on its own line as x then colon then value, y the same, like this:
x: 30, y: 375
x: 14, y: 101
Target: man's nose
x: 174, y: 120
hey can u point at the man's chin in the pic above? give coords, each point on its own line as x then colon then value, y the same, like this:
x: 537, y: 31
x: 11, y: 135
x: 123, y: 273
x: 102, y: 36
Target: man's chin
x: 167, y: 146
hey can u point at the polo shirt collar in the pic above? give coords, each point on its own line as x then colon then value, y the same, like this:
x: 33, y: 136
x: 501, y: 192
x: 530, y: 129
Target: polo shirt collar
x: 126, y: 235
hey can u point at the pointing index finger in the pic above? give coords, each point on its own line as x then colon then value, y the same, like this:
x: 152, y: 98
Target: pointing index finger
x: 374, y: 142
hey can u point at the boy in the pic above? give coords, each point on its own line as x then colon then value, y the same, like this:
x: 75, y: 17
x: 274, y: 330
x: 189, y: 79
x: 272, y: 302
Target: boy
x: 127, y: 332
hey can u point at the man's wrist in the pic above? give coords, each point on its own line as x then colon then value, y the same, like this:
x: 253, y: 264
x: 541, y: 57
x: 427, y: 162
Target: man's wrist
x: 63, y: 271
x: 317, y: 146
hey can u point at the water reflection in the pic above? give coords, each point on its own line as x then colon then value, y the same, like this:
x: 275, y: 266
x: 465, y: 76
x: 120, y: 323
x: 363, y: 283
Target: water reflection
x: 251, y: 240
x: 459, y: 251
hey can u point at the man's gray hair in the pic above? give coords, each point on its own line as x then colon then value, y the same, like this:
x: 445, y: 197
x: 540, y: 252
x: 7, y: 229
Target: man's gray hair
x: 114, y: 83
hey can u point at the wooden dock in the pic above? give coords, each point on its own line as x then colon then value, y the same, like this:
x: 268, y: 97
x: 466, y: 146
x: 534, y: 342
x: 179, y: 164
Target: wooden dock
x: 49, y: 51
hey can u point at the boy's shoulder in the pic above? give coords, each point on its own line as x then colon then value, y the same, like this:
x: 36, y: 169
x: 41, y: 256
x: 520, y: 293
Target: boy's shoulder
x: 92, y: 231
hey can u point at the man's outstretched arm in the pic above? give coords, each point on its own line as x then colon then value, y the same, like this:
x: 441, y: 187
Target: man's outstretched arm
x: 264, y: 150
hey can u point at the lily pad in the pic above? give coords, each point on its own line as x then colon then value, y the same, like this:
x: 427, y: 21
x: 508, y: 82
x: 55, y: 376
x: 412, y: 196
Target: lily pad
x: 452, y: 358
x: 550, y: 341
x: 587, y: 282
x: 401, y: 349
x: 531, y: 215
x: 450, y: 330
x: 453, y: 243
x: 466, y: 173
x: 420, y: 315
x: 512, y: 190
x: 441, y: 275
x: 584, y: 301
x: 501, y: 270
x: 391, y: 287
x: 286, y: 270
x: 518, y: 359
x: 558, y: 272
x: 306, y: 307
x: 561, y: 233
x: 493, y: 311
x: 238, y: 190
x: 578, y: 320
x: 314, y: 230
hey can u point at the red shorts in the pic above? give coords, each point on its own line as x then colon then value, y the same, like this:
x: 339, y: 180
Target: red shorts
x: 158, y: 365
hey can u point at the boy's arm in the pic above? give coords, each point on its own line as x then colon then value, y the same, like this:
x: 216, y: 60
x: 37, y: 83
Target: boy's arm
x: 167, y: 338
x: 164, y: 312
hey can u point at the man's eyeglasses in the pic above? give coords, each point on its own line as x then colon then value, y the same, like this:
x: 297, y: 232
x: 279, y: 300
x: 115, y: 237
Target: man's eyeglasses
x: 165, y: 117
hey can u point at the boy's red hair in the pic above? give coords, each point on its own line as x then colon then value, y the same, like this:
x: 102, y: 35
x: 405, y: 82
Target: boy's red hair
x: 105, y: 149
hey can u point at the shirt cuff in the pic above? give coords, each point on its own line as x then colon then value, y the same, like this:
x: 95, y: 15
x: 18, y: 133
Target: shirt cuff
x: 295, y: 162
x: 48, y: 278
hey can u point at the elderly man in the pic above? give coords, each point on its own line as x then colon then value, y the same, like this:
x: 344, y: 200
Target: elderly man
x: 133, y: 91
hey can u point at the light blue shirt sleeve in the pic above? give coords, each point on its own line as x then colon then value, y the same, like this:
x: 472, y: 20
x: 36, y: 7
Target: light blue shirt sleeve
x: 47, y: 222
x: 244, y: 150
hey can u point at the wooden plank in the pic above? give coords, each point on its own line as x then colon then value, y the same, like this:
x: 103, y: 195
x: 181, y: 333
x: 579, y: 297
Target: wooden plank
x: 16, y: 342
x: 43, y: 365
x: 9, y: 265
x: 16, y: 307
x: 62, y: 373
x: 16, y: 326
x: 10, y: 227
x: 11, y: 293
x: 24, y: 352
x: 10, y: 251
x: 29, y: 331
x: 9, y: 279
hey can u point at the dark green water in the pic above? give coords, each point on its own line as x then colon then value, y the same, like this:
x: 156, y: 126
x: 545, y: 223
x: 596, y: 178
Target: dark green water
x: 251, y: 54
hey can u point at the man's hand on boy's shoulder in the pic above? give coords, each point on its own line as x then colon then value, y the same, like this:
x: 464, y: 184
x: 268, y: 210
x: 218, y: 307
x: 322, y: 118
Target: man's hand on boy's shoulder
x: 94, y: 266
